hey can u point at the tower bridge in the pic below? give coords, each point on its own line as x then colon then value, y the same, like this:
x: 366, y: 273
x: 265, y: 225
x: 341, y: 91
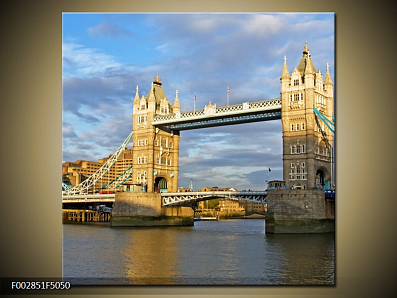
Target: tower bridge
x: 305, y: 107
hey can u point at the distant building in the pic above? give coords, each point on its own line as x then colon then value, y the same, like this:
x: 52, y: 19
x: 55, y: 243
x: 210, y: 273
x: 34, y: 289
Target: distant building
x: 73, y: 173
x: 233, y: 205
x: 276, y: 184
x: 181, y: 189
x: 254, y: 207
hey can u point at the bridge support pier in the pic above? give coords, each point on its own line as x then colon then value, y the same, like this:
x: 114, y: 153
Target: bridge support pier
x: 299, y: 211
x: 145, y: 210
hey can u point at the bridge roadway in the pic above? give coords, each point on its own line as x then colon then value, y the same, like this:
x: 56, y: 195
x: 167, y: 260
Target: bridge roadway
x: 185, y: 198
x: 176, y: 198
x: 85, y: 198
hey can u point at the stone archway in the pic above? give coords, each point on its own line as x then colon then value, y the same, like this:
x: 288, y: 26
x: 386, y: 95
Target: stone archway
x: 322, y: 178
x: 160, y: 185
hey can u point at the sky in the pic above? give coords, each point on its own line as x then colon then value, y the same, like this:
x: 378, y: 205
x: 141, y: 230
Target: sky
x: 105, y: 56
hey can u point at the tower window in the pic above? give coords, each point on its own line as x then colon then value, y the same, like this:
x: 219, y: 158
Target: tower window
x: 142, y: 118
x: 296, y: 82
x: 297, y: 127
x: 303, y: 126
x: 292, y: 127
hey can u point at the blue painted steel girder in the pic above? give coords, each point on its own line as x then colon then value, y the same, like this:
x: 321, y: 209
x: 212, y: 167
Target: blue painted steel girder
x: 225, y: 120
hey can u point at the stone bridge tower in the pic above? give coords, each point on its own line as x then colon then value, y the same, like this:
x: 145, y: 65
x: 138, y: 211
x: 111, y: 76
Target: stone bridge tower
x: 307, y: 156
x: 155, y: 152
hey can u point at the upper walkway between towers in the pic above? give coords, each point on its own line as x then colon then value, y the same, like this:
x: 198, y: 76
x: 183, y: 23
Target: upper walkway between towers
x: 212, y: 115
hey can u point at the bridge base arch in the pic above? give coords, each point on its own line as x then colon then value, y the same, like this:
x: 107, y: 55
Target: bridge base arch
x: 144, y: 210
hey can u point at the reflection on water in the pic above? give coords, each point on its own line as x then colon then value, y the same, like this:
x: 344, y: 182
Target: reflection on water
x: 229, y: 252
x: 140, y: 265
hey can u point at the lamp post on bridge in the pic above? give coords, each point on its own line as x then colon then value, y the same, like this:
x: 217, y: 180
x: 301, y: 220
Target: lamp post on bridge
x: 194, y: 104
x: 267, y: 180
x: 228, y: 92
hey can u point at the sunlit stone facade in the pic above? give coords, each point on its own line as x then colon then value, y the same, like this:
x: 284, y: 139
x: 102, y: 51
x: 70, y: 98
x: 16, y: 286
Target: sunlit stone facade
x: 307, y: 158
x: 156, y: 152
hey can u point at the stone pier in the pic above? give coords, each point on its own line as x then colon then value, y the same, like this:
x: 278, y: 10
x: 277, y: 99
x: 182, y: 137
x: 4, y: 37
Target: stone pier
x: 133, y: 209
x: 299, y: 211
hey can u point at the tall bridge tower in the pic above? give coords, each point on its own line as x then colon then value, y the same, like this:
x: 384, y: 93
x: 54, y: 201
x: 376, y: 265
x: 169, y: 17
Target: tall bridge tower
x: 307, y: 148
x: 156, y: 152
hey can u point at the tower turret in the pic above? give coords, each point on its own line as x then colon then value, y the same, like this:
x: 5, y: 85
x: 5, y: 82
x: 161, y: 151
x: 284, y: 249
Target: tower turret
x: 135, y: 105
x: 328, y: 86
x: 177, y: 106
x: 285, y: 81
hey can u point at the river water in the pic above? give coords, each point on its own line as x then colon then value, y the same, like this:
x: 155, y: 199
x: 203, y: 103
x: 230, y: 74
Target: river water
x: 227, y: 252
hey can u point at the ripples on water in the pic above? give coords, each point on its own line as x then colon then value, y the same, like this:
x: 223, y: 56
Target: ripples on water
x: 228, y: 252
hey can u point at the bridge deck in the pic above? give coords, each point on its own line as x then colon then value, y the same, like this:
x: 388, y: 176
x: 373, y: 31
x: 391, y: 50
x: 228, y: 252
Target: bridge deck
x: 82, y: 198
x: 177, y: 198
x: 183, y: 198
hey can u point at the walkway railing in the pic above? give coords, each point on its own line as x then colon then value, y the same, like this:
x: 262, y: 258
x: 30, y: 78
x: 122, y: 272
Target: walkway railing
x: 224, y: 111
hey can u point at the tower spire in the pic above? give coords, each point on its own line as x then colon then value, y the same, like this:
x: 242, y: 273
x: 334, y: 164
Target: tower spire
x: 306, y: 65
x: 285, y: 73
x: 328, y: 79
x: 306, y: 49
x: 177, y: 106
x: 136, y: 100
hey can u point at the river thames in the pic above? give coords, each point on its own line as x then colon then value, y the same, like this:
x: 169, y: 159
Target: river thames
x: 227, y: 252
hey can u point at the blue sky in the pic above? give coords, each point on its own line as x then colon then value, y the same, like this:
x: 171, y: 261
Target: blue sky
x: 105, y: 56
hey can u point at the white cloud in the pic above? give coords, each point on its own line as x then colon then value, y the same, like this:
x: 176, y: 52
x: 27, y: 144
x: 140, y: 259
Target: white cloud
x: 107, y: 29
x: 84, y: 62
x: 263, y: 26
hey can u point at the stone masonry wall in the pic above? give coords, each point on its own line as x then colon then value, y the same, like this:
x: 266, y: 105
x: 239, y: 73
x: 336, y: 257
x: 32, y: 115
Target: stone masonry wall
x: 137, y: 204
x: 298, y: 204
x: 144, y: 209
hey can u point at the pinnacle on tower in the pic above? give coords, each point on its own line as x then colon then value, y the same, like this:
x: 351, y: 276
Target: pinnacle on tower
x: 157, y: 80
x: 176, y: 103
x: 305, y: 49
x: 285, y: 73
x: 328, y: 80
x: 151, y: 93
x: 177, y: 106
x: 306, y: 65
x: 136, y: 100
